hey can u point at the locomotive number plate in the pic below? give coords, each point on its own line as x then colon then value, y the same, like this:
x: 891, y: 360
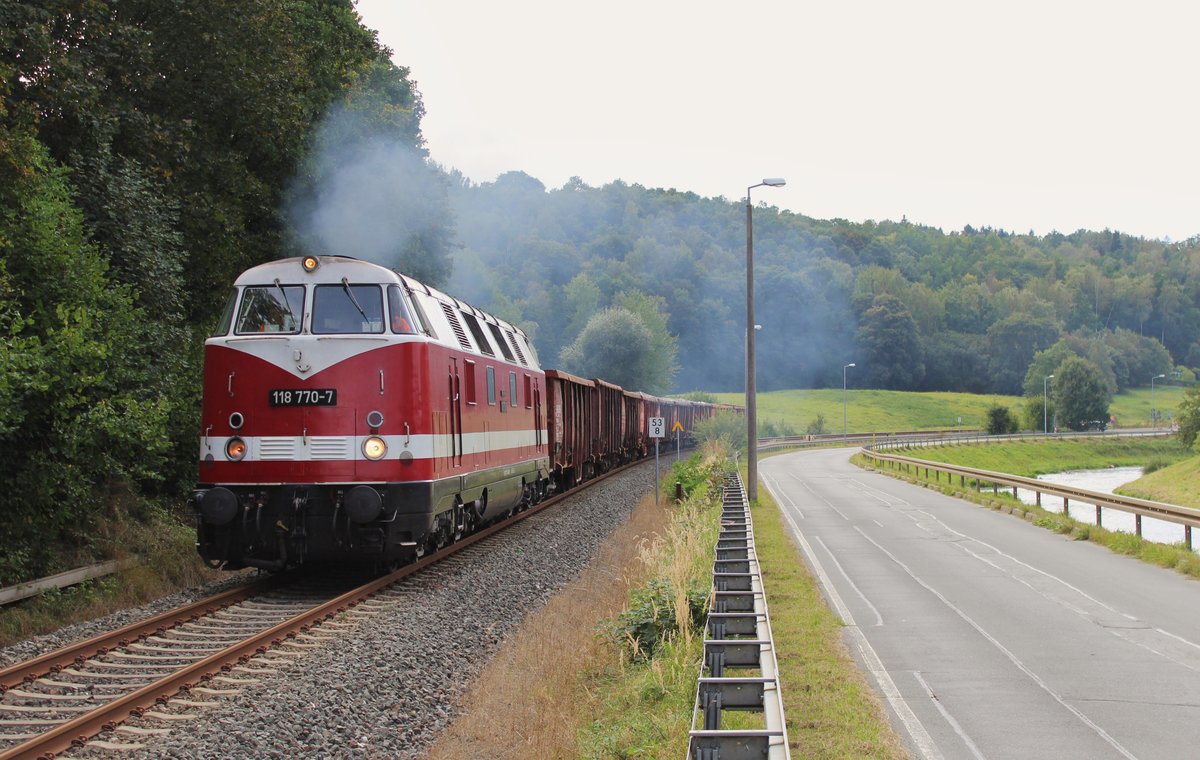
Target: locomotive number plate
x: 303, y: 397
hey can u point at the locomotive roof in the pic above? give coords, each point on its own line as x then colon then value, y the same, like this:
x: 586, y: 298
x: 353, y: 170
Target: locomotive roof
x: 333, y: 268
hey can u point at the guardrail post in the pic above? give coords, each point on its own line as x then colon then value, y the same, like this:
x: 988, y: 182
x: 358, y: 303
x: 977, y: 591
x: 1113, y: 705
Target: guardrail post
x: 1098, y: 522
x: 1187, y: 535
x: 1137, y: 525
x: 1038, y: 494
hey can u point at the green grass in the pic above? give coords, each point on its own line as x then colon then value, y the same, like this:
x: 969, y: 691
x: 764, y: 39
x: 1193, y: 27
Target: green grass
x: 1132, y: 408
x: 872, y: 410
x: 1177, y: 483
x: 647, y: 694
x: 1038, y: 457
x: 645, y: 704
x: 884, y: 411
x: 166, y: 561
x: 1022, y: 458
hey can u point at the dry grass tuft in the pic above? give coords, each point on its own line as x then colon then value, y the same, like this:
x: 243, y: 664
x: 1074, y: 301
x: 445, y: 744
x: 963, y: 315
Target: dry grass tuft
x: 531, y: 699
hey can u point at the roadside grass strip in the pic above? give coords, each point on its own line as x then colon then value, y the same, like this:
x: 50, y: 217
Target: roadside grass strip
x: 1032, y: 458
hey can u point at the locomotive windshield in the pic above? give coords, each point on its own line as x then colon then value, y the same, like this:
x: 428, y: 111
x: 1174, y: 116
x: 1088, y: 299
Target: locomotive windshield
x: 347, y: 308
x: 271, y: 308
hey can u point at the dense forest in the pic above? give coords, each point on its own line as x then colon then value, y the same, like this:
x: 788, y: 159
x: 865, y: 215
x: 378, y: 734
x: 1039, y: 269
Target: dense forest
x: 152, y: 149
x: 915, y: 308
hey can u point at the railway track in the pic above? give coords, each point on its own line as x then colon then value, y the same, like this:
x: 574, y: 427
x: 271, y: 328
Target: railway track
x: 167, y: 667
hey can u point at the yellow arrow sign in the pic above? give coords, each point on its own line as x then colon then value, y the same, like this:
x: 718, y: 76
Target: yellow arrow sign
x: 677, y: 427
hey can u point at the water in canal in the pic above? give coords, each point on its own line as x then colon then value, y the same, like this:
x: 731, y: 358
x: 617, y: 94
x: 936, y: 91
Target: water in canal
x: 1104, y: 481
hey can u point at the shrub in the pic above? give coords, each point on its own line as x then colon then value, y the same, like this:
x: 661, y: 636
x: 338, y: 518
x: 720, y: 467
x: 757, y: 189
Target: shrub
x: 650, y: 619
x: 1155, y: 463
x: 1000, y: 421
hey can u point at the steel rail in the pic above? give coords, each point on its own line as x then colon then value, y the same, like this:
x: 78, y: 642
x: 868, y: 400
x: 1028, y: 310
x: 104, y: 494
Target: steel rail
x: 79, y: 730
x: 51, y: 662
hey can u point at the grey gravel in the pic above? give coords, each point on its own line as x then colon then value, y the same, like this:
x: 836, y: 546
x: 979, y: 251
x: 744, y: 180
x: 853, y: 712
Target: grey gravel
x: 388, y: 687
x: 24, y: 650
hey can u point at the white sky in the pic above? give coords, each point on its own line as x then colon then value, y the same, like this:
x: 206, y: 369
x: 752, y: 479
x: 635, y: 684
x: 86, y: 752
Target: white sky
x: 1044, y: 115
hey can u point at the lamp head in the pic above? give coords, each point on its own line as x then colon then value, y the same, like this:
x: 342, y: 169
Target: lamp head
x: 774, y: 182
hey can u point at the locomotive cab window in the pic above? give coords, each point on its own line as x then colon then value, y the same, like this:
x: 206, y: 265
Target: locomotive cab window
x: 226, y: 315
x: 347, y: 308
x: 491, y: 381
x: 270, y: 309
x: 402, y: 321
x: 512, y: 389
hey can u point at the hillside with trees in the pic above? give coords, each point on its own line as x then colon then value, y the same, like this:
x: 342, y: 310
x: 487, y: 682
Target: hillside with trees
x: 152, y: 150
x: 915, y: 308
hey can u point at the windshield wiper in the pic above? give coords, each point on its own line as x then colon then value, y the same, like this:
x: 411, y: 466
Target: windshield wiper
x: 350, y: 293
x: 286, y: 305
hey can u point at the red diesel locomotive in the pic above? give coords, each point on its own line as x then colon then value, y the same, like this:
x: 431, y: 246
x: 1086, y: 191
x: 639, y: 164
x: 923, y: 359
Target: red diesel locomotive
x: 351, y: 413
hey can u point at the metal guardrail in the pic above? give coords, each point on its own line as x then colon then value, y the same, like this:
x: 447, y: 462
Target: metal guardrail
x: 27, y: 589
x: 1185, y: 516
x: 941, y: 438
x: 738, y: 636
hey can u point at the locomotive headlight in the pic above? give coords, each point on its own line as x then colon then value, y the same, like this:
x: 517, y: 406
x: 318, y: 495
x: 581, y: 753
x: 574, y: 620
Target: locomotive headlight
x: 310, y: 263
x: 374, y: 448
x: 235, y: 449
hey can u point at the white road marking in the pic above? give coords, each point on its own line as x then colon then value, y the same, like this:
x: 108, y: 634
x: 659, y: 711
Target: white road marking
x: 949, y: 718
x: 1005, y: 651
x: 916, y: 731
x: 853, y: 585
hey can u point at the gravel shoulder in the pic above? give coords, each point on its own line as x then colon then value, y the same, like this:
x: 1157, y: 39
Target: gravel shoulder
x: 392, y: 678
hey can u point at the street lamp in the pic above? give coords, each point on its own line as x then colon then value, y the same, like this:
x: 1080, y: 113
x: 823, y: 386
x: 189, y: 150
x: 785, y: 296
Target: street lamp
x: 844, y: 368
x: 751, y: 410
x: 1153, y: 412
x: 1045, y: 404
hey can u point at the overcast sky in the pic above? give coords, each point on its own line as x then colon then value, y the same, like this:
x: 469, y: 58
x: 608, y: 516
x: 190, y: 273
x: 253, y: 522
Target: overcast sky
x: 1021, y: 115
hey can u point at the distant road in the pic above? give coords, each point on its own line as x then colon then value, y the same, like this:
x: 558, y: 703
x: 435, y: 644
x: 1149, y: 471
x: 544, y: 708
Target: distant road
x: 987, y: 637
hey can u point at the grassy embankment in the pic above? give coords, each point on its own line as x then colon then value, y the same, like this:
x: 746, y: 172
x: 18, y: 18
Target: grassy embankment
x: 1032, y: 458
x: 884, y: 411
x: 163, y: 548
x: 608, y: 668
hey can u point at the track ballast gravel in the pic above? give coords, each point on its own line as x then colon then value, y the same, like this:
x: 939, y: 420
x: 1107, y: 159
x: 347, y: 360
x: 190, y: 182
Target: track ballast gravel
x: 389, y: 686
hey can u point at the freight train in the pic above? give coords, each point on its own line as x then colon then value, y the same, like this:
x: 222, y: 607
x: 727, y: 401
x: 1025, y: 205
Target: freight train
x: 353, y: 414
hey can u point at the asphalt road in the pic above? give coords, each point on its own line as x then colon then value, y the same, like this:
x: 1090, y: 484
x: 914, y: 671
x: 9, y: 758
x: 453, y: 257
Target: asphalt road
x: 988, y: 637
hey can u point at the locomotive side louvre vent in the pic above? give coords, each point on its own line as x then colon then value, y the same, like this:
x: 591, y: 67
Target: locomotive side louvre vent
x: 455, y: 325
x: 516, y: 344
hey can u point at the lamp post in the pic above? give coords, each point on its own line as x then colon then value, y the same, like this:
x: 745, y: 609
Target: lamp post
x: 751, y: 410
x: 1153, y: 409
x: 1045, y: 405
x: 844, y: 368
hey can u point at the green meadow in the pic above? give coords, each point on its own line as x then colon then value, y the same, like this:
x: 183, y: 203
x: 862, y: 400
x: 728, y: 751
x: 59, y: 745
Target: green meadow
x: 891, y: 411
